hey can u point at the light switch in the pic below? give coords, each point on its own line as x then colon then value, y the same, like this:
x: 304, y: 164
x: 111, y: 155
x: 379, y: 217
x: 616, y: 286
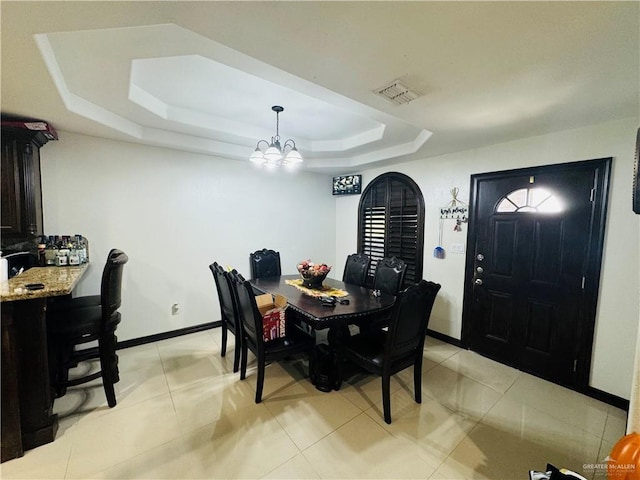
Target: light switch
x: 457, y: 248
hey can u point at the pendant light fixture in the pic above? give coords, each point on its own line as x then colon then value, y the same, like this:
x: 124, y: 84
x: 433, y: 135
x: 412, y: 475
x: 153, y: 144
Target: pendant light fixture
x: 272, y: 154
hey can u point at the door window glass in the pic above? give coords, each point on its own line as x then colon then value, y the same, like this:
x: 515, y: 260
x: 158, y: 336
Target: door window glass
x: 537, y: 200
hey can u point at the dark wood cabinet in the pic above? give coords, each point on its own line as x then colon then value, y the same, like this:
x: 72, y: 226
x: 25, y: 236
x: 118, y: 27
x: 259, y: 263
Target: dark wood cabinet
x: 21, y: 190
x: 28, y: 420
x: 21, y: 200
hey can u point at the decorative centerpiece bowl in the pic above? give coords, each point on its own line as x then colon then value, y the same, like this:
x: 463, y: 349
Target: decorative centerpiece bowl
x: 313, y: 274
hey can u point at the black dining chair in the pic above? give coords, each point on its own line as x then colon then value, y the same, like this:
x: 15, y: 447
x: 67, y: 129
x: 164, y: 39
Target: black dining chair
x: 265, y: 263
x: 294, y: 342
x: 228, y: 312
x: 356, y: 268
x: 386, y: 353
x: 389, y: 275
x: 77, y: 321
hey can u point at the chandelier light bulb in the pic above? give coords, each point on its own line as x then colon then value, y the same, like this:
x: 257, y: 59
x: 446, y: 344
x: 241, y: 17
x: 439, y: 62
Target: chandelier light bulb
x: 257, y: 157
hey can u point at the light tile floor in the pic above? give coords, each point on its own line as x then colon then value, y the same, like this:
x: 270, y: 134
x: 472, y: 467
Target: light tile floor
x: 182, y: 414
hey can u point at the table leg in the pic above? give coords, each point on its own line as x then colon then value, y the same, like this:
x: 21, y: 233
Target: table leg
x: 336, y: 338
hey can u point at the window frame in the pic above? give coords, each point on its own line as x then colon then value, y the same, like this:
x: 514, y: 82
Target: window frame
x: 528, y: 206
x: 396, y: 192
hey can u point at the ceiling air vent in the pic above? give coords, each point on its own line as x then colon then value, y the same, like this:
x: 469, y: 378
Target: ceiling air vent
x: 397, y: 93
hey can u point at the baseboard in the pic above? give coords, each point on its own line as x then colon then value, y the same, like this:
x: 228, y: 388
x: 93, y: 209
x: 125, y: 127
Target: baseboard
x: 166, y: 335
x: 609, y: 398
x: 444, y: 338
x: 592, y: 392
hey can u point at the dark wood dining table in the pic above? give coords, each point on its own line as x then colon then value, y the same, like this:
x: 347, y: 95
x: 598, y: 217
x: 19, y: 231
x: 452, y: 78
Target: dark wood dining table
x: 362, y: 303
x: 363, y: 306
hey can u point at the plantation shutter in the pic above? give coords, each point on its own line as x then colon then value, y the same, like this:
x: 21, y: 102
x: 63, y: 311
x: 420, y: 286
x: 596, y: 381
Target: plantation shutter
x: 391, y: 223
x: 373, y: 225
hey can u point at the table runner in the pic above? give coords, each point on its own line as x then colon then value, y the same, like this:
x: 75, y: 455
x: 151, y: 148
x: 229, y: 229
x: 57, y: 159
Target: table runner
x: 324, y: 291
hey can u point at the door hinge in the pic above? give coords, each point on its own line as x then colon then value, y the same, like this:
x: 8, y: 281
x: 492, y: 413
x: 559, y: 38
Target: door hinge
x: 575, y: 365
x: 592, y: 195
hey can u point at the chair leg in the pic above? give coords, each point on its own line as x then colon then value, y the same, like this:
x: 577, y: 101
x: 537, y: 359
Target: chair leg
x: 223, y: 350
x: 109, y: 391
x: 109, y: 367
x: 417, y: 379
x: 243, y: 362
x: 386, y: 396
x: 260, y: 382
x: 60, y: 360
x: 236, y: 354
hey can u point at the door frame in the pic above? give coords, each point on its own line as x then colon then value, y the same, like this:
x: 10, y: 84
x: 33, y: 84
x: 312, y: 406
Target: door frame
x: 595, y: 248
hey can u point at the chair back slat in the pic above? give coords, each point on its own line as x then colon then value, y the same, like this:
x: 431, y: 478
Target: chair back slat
x: 265, y: 263
x: 410, y: 318
x: 389, y: 275
x: 356, y: 268
x: 111, y: 286
x: 225, y: 295
x: 247, y: 309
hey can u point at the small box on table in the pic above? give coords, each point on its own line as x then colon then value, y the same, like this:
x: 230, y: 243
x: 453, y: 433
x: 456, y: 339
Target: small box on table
x: 272, y: 308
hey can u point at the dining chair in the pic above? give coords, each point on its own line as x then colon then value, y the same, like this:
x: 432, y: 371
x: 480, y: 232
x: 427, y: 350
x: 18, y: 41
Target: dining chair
x: 228, y: 312
x: 77, y: 321
x: 389, y: 275
x: 386, y: 353
x: 265, y: 263
x: 294, y: 342
x: 356, y: 268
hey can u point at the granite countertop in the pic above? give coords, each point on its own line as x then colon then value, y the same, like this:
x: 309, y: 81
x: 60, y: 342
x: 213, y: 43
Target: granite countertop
x: 56, y: 280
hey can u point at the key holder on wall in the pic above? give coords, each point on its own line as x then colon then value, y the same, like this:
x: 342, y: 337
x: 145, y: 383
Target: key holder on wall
x: 455, y: 210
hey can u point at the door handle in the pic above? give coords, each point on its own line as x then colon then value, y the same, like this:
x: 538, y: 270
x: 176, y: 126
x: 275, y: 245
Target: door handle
x: 478, y: 281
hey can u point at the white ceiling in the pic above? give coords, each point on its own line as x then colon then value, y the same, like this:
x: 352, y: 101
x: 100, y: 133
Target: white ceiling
x: 202, y: 76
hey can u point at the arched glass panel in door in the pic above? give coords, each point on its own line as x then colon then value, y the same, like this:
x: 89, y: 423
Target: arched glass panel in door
x: 537, y: 200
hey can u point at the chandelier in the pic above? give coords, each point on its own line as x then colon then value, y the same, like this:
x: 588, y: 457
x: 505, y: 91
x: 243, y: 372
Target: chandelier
x: 272, y: 154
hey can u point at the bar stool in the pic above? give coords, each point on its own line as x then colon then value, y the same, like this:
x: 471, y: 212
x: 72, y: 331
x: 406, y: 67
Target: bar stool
x: 81, y: 320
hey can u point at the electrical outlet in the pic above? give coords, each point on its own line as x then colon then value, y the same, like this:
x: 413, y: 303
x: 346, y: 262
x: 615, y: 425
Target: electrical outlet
x: 175, y: 309
x: 457, y: 248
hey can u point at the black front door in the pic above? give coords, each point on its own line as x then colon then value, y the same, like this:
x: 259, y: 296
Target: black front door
x: 533, y: 265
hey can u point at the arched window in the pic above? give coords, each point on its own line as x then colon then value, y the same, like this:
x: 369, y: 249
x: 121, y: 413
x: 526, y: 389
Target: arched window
x: 537, y: 200
x: 391, y: 223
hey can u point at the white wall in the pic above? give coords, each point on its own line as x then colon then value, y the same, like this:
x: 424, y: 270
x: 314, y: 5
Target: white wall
x: 174, y: 213
x: 617, y: 317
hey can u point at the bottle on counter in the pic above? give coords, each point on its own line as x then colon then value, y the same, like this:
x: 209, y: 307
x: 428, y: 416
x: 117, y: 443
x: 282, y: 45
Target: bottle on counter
x: 63, y: 250
x: 74, y: 255
x: 62, y: 257
x: 4, y: 269
x: 50, y: 251
x: 42, y: 245
x: 62, y: 260
x: 81, y: 247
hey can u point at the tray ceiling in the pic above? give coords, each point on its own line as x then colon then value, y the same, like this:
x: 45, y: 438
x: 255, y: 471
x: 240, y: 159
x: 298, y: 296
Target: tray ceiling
x: 202, y: 76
